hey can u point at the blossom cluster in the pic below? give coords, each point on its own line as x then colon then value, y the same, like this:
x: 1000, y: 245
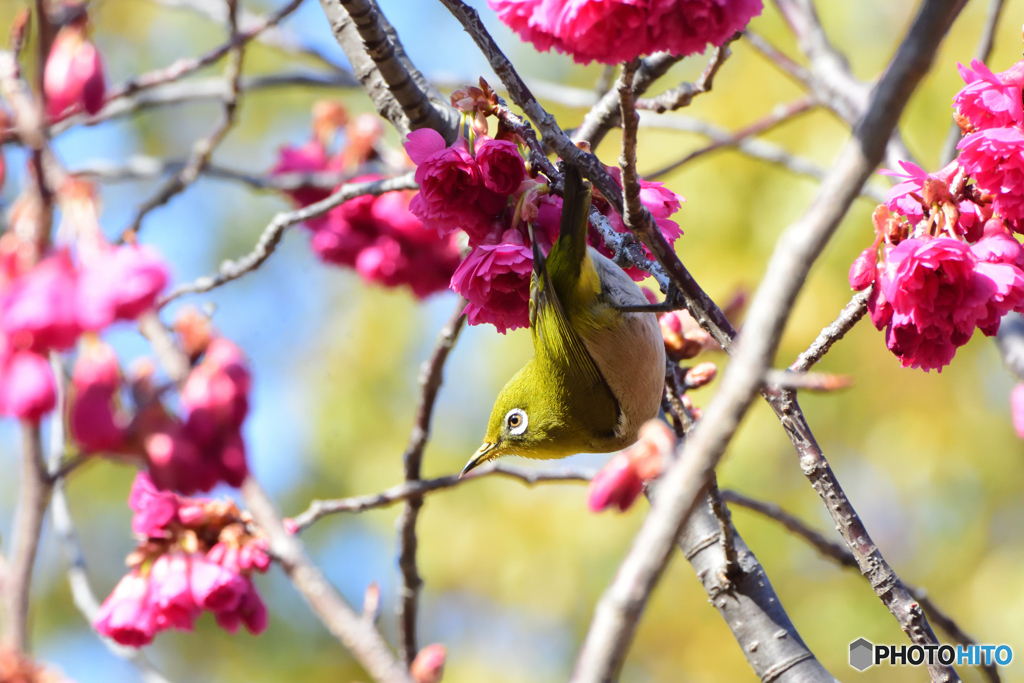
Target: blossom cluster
x: 184, y: 455
x: 48, y: 305
x: 377, y: 236
x: 483, y: 189
x: 194, y: 555
x: 945, y: 261
x: 612, y: 31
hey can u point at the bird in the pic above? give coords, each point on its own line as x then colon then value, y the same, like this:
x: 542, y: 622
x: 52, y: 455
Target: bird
x: 598, y: 372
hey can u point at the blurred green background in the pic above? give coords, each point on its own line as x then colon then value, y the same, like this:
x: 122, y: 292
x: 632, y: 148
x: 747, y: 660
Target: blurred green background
x: 512, y: 573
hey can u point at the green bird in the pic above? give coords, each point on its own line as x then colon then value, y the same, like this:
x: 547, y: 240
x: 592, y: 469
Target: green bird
x: 597, y: 373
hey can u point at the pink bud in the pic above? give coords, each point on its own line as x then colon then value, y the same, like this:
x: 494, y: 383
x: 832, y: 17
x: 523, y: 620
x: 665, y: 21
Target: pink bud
x: 428, y: 667
x: 74, y: 73
x: 96, y: 380
x: 1017, y: 409
x: 290, y: 525
x: 253, y: 556
x: 126, y: 616
x: 154, y: 509
x: 701, y: 375
x: 170, y: 593
x: 27, y: 390
x: 121, y: 284
x: 862, y: 271
x: 250, y: 611
x: 226, y: 555
x: 214, y: 587
x: 175, y: 462
x: 652, y: 450
x: 617, y: 484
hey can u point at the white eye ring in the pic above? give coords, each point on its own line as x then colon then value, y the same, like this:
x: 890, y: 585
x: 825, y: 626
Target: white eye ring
x: 516, y: 421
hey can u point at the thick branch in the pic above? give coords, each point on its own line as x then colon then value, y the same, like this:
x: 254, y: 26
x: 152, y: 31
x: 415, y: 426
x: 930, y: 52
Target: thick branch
x: 399, y: 91
x: 603, y: 650
x: 431, y: 376
x: 33, y: 499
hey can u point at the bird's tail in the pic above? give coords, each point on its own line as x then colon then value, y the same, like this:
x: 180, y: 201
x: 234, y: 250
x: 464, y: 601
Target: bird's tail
x: 567, y: 255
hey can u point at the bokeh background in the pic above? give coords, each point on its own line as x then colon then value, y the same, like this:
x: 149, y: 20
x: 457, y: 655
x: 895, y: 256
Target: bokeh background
x: 512, y: 573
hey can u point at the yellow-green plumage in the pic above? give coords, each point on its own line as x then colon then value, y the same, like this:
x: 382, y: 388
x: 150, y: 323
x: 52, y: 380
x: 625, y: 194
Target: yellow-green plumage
x: 597, y: 373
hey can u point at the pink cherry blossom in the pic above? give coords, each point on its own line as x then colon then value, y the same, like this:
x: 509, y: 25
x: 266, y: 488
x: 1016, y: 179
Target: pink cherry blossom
x: 308, y: 158
x: 121, y: 284
x: 154, y: 509
x: 93, y: 421
x: 27, y: 389
x: 176, y: 462
x: 995, y: 159
x: 988, y: 101
x: 249, y: 610
x: 495, y: 279
x: 611, y: 31
x: 862, y: 271
x: 686, y: 27
x: 451, y: 186
x: 216, y: 393
x: 616, y: 484
x: 127, y: 617
x: 170, y: 592
x: 73, y: 77
x: 501, y: 166
x: 214, y: 587
x: 37, y: 310
x: 1017, y: 409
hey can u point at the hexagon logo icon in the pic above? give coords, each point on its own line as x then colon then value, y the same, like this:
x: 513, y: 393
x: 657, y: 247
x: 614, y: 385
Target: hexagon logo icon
x: 861, y: 654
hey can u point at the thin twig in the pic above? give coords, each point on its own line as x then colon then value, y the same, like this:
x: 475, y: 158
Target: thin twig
x: 272, y: 234
x: 984, y: 50
x: 431, y: 376
x: 839, y: 554
x: 779, y: 115
x: 619, y: 608
x: 204, y: 147
x: 185, y: 66
x: 754, y: 148
x: 606, y: 114
x: 844, y: 322
x: 321, y: 508
x: 632, y: 213
x: 683, y: 95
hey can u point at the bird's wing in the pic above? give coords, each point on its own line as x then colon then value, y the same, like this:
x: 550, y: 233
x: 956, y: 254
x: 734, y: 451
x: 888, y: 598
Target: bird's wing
x: 557, y: 344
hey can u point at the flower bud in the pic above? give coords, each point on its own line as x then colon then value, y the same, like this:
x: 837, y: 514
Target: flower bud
x: 701, y: 375
x: 428, y: 667
x: 127, y: 616
x: 93, y: 421
x: 73, y: 78
x: 194, y: 331
x: 328, y: 117
x: 862, y: 271
x: 616, y: 484
x: 27, y: 390
x: 652, y: 450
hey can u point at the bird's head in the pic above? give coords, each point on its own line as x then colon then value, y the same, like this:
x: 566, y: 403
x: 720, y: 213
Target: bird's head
x: 526, y: 421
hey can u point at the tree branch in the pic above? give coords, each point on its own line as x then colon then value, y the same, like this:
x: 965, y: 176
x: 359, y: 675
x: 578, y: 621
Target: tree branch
x: 431, y: 376
x: 357, y: 634
x: 682, y: 96
x: 272, y: 234
x: 848, y: 317
x: 528, y: 475
x: 398, y: 90
x: 839, y: 554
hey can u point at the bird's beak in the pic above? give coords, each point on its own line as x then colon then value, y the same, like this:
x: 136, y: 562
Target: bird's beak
x: 479, y: 458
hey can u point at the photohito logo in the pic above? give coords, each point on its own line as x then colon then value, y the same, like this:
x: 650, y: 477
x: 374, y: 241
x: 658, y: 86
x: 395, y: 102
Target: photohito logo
x: 864, y: 654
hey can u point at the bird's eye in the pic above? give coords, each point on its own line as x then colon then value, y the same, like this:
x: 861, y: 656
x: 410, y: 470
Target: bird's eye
x: 516, y: 421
